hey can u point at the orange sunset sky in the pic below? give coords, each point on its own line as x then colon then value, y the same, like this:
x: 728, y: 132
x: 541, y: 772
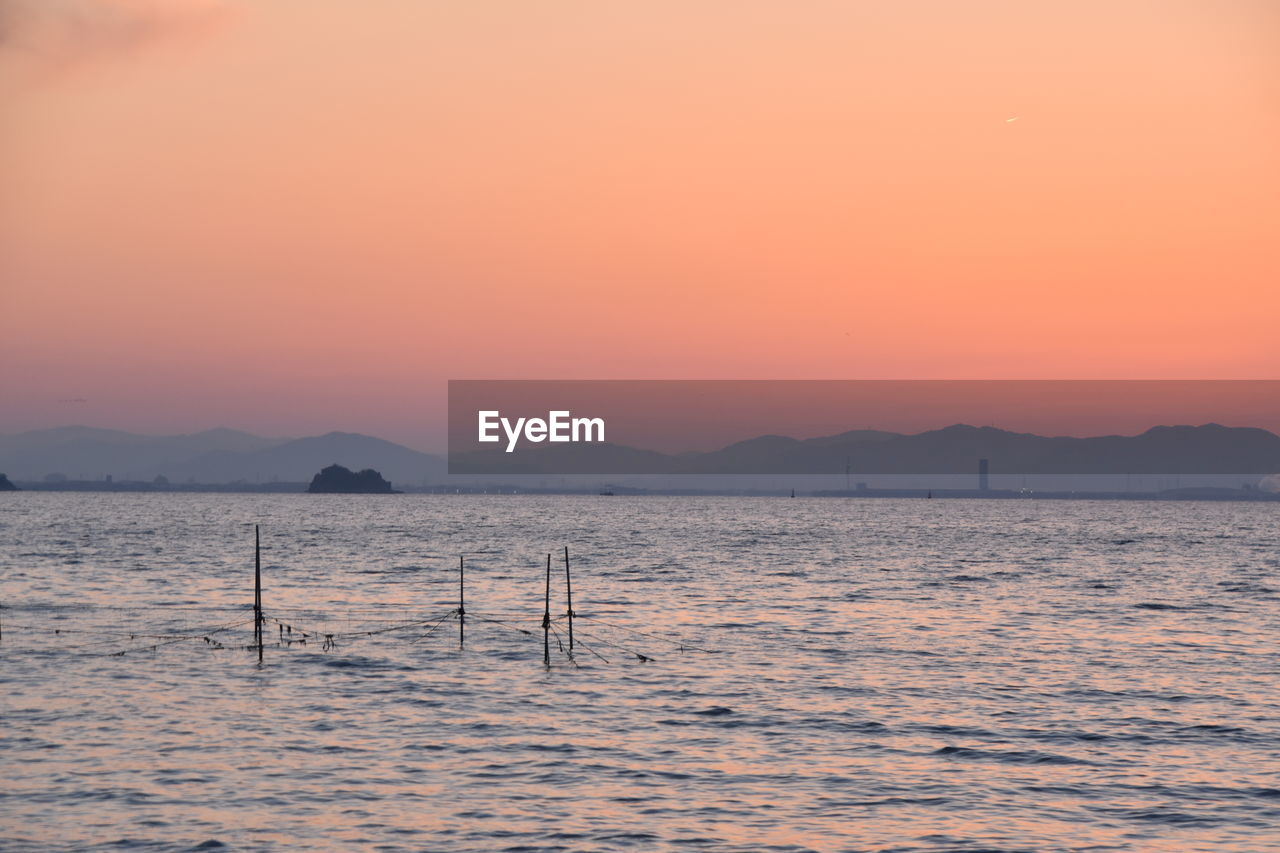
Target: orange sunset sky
x: 295, y: 216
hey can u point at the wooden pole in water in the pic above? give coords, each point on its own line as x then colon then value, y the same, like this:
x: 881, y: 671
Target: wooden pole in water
x: 546, y: 619
x: 568, y: 591
x: 462, y: 595
x: 257, y: 590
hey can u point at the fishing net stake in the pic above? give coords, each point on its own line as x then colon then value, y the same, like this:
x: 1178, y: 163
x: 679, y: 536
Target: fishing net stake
x: 257, y: 590
x: 546, y: 619
x: 462, y: 595
x: 568, y: 591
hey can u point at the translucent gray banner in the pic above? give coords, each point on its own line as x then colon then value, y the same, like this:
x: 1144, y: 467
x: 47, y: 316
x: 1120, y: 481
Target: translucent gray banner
x: 857, y: 428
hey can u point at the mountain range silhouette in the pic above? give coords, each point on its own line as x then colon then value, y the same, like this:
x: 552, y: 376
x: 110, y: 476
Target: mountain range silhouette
x: 956, y: 449
x: 225, y: 455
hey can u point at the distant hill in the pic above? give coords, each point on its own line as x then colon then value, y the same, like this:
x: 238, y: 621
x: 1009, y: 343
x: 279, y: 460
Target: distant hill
x: 1206, y: 449
x: 299, y: 459
x: 90, y: 453
x: 215, y: 456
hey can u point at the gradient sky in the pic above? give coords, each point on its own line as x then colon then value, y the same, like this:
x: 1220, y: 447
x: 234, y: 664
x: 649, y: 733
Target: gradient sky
x: 303, y: 215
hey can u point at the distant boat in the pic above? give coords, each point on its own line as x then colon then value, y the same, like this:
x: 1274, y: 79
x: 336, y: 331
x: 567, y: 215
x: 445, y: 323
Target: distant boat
x: 793, y: 493
x: 607, y: 491
x: 930, y: 495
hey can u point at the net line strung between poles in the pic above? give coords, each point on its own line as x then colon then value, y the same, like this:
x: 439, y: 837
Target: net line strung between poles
x: 95, y: 640
x: 294, y: 626
x: 132, y: 641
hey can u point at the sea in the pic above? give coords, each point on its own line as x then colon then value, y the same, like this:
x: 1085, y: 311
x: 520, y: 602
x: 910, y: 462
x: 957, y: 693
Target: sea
x: 746, y: 674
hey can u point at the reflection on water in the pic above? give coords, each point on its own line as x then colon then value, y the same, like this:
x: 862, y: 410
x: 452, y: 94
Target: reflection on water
x: 887, y: 675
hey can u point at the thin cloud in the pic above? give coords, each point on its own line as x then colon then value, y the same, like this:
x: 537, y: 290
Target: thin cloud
x: 57, y: 36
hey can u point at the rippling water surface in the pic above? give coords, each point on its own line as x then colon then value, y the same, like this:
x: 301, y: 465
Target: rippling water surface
x: 881, y: 675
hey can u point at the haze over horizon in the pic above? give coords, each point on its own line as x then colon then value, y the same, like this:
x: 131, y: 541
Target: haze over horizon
x: 1181, y: 456
x: 260, y: 440
x: 282, y: 216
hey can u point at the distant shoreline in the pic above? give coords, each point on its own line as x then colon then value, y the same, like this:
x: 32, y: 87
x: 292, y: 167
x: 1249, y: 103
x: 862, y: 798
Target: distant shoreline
x: 285, y: 488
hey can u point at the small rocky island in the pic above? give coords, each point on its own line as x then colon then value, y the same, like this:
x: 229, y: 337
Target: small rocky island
x: 338, y: 480
x: 5, y: 485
